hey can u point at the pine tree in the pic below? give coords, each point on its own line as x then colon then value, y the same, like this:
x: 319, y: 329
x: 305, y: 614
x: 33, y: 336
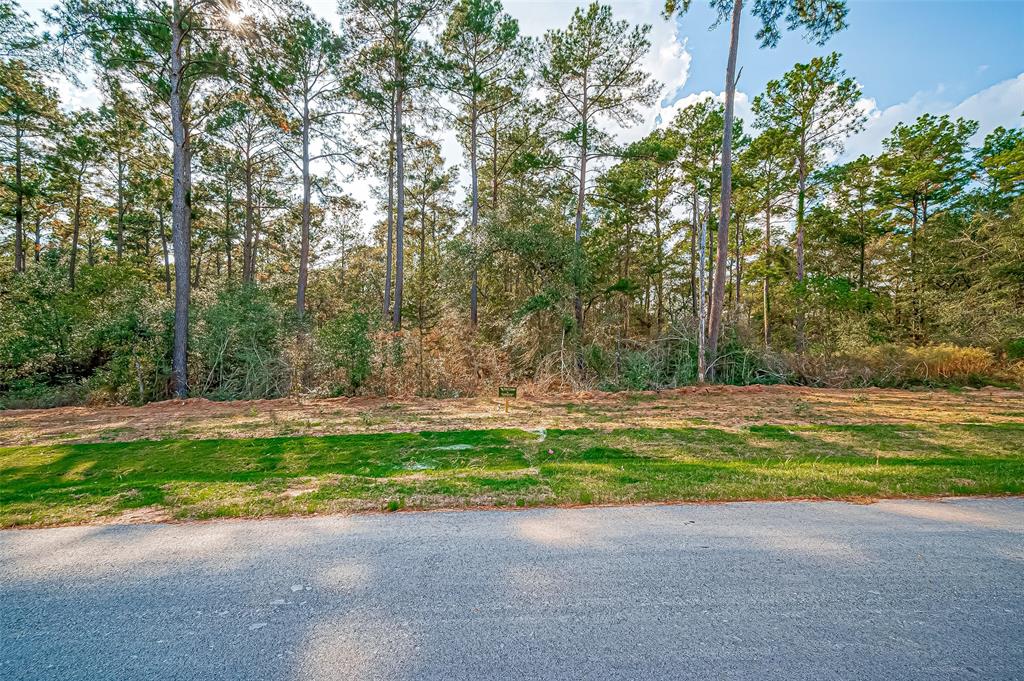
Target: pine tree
x: 591, y: 74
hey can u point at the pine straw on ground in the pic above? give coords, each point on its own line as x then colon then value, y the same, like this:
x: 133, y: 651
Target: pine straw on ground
x: 719, y: 406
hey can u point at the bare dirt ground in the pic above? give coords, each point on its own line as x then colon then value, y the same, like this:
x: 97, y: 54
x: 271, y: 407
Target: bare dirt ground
x: 723, y: 406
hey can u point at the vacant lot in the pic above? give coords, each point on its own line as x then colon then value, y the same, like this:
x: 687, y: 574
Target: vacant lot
x: 729, y: 407
x: 199, y: 460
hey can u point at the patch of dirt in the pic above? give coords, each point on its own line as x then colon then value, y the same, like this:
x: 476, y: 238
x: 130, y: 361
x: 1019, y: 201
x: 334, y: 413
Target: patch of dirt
x: 714, y: 406
x: 299, y: 486
x: 145, y: 514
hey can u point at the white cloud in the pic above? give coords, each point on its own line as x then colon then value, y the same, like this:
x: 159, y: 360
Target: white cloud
x: 668, y: 62
x: 741, y: 106
x: 1002, y: 104
x: 998, y: 105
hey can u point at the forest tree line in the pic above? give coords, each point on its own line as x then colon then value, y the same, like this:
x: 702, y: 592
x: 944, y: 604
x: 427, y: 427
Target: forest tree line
x: 192, y: 234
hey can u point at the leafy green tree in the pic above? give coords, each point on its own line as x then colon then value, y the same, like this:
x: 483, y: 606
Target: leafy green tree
x: 591, y: 72
x: 18, y: 38
x: 819, y: 19
x: 524, y: 193
x: 122, y: 130
x: 922, y: 173
x: 768, y: 173
x: 484, y: 69
x: 984, y: 294
x: 28, y: 109
x: 850, y: 190
x: 621, y: 196
x: 345, y: 341
x: 431, y: 223
x: 299, y: 68
x: 226, y: 176
x: 387, y: 33
x: 244, y: 124
x: 76, y: 155
x: 1001, y: 158
x: 815, y: 104
x: 174, y: 52
x: 43, y: 204
x: 375, y: 99
x: 658, y: 152
x: 633, y: 195
x: 699, y: 130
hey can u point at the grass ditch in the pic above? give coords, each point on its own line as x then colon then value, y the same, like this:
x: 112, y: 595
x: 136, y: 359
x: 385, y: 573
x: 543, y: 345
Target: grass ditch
x: 195, y: 479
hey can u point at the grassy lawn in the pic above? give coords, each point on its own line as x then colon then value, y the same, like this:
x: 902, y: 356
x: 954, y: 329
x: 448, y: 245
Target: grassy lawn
x: 186, y: 479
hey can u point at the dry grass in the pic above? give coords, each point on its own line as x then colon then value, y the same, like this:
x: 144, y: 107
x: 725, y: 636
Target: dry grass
x: 897, y: 365
x: 728, y: 407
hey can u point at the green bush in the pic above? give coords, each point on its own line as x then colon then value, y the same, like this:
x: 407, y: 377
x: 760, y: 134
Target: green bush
x: 346, y: 345
x: 1015, y: 349
x: 238, y: 340
x: 638, y: 371
x: 100, y: 341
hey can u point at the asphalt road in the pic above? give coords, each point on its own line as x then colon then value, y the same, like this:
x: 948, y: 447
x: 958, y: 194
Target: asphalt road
x: 893, y: 590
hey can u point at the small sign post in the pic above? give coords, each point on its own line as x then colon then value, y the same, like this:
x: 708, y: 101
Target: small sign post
x: 506, y: 391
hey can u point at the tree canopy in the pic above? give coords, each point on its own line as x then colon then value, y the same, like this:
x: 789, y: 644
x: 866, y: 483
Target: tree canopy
x: 421, y: 199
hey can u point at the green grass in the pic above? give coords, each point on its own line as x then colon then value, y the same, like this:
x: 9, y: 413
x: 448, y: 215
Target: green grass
x: 75, y: 483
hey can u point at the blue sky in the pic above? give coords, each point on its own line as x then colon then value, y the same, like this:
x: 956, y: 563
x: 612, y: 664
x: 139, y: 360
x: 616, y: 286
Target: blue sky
x: 957, y: 57
x: 894, y: 48
x: 936, y: 53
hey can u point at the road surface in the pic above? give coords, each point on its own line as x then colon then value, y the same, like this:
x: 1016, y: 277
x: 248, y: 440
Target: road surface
x: 893, y: 590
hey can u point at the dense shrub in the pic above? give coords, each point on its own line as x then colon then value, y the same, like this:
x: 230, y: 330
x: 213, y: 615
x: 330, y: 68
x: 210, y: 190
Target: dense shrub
x: 903, y: 366
x: 109, y: 339
x: 104, y: 340
x: 448, y: 360
x: 238, y: 341
x: 347, y: 348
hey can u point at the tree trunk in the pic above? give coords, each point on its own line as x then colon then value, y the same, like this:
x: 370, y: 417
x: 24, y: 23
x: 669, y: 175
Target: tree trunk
x: 739, y: 260
x: 227, y: 226
x: 693, y: 254
x: 421, y: 295
x: 248, y: 260
x: 767, y: 270
x: 163, y: 246
x: 800, y: 198
x: 913, y: 275
x: 257, y: 232
x: 627, y: 256
x: 863, y: 248
x: 300, y: 296
x: 718, y: 296
x: 38, y: 235
x: 701, y: 315
x: 660, y: 282
x: 396, y: 316
x: 494, y: 166
x: 120, y: 204
x: 474, y: 212
x: 76, y: 229
x: 391, y: 214
x: 580, y: 199
x: 180, y: 209
x: 19, y: 207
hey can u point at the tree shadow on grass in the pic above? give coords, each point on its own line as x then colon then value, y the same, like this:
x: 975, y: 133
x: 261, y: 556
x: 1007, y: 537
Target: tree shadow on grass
x: 202, y: 478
